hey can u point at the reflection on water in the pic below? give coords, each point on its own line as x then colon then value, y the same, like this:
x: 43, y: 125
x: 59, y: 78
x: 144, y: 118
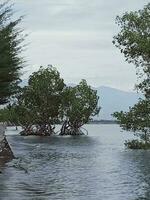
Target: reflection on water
x: 94, y: 167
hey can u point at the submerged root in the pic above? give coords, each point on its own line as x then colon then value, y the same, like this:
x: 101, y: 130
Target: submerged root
x: 38, y: 131
x: 67, y: 130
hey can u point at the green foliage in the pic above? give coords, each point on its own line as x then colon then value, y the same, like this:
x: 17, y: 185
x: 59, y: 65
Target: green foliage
x: 10, y: 48
x: 136, y: 144
x: 83, y: 103
x: 4, y: 115
x: 47, y: 100
x: 137, y: 119
x: 9, y: 115
x: 40, y: 101
x: 44, y: 93
x: 134, y: 42
x: 134, y: 37
x: 144, y: 86
x: 80, y: 103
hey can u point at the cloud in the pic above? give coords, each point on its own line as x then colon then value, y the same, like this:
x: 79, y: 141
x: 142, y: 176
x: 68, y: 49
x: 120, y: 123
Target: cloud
x: 76, y: 36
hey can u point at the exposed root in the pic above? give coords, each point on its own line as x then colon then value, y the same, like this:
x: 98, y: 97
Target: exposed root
x: 43, y: 130
x: 67, y: 129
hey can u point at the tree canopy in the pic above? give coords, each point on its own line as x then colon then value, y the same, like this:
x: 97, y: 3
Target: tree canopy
x: 134, y: 38
x: 137, y: 119
x: 134, y: 41
x: 46, y: 100
x: 81, y: 103
x: 41, y: 100
x: 10, y: 48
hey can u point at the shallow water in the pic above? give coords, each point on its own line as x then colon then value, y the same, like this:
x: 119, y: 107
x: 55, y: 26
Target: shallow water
x: 93, y: 167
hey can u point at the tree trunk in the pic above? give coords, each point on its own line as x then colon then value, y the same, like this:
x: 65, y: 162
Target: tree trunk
x: 70, y: 129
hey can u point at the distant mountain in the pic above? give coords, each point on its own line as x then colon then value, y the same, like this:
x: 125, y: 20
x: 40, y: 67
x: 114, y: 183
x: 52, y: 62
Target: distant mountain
x: 112, y: 100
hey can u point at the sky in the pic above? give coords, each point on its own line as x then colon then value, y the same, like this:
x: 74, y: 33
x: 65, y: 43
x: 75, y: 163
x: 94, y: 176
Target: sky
x: 75, y: 36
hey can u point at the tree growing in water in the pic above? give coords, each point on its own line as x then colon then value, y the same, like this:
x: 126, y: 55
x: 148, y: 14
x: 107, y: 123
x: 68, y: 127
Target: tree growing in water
x: 11, y: 38
x: 47, y: 100
x: 40, y: 102
x: 79, y: 104
x: 134, y: 42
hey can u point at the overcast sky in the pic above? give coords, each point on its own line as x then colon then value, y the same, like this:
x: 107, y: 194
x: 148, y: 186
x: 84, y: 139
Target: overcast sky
x: 76, y: 37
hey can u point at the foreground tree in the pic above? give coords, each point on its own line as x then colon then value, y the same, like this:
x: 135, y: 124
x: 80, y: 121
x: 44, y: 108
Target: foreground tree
x: 79, y: 104
x: 10, y: 62
x: 133, y: 39
x: 138, y: 121
x: 40, y: 102
x: 134, y: 42
x: 10, y: 49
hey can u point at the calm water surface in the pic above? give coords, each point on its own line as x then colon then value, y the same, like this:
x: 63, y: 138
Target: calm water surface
x: 93, y: 167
